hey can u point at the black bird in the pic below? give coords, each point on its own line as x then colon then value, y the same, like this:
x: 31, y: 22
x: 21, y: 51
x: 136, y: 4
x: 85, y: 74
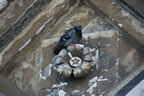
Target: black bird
x: 71, y: 36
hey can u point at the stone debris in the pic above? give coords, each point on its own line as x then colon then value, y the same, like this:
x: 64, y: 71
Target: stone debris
x: 93, y: 83
x: 60, y: 85
x: 120, y: 25
x: 42, y: 27
x: 102, y: 79
x: 47, y: 71
x: 93, y: 79
x: 76, y: 91
x: 86, y: 51
x: 61, y: 93
x: 90, y: 90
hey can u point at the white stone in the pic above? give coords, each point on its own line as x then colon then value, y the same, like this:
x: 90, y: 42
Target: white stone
x: 3, y: 3
x: 93, y: 79
x: 90, y: 90
x: 76, y: 91
x: 102, y: 79
x: 60, y: 85
x: 25, y: 44
x: 61, y: 93
x: 43, y: 77
x: 47, y: 71
x: 120, y: 25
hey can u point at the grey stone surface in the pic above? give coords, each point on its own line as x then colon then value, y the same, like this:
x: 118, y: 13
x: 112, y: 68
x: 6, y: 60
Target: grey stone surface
x: 9, y: 89
x: 21, y: 22
x: 115, y: 56
x: 36, y: 31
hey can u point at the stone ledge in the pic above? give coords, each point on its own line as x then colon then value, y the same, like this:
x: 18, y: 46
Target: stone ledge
x: 43, y: 25
x: 21, y: 22
x: 123, y: 18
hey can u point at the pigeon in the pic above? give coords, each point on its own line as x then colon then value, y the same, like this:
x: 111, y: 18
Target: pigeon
x: 70, y: 37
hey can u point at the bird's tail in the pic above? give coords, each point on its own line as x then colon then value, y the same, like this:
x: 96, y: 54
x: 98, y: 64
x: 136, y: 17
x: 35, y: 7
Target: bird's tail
x: 58, y: 47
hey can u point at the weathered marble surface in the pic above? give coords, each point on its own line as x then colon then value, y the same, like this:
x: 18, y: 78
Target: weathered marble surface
x: 41, y: 26
x: 114, y: 60
x: 115, y: 57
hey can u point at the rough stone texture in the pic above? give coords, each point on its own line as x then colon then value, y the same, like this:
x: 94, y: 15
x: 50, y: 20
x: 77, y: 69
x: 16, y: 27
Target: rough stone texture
x: 107, y: 71
x: 20, y: 22
x: 38, y: 29
x: 32, y: 69
x: 123, y: 18
x: 82, y: 16
x: 110, y: 67
x: 9, y: 89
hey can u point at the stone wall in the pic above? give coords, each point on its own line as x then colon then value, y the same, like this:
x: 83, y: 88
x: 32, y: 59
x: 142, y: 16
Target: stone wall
x: 39, y: 28
x: 119, y: 15
x: 10, y: 32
